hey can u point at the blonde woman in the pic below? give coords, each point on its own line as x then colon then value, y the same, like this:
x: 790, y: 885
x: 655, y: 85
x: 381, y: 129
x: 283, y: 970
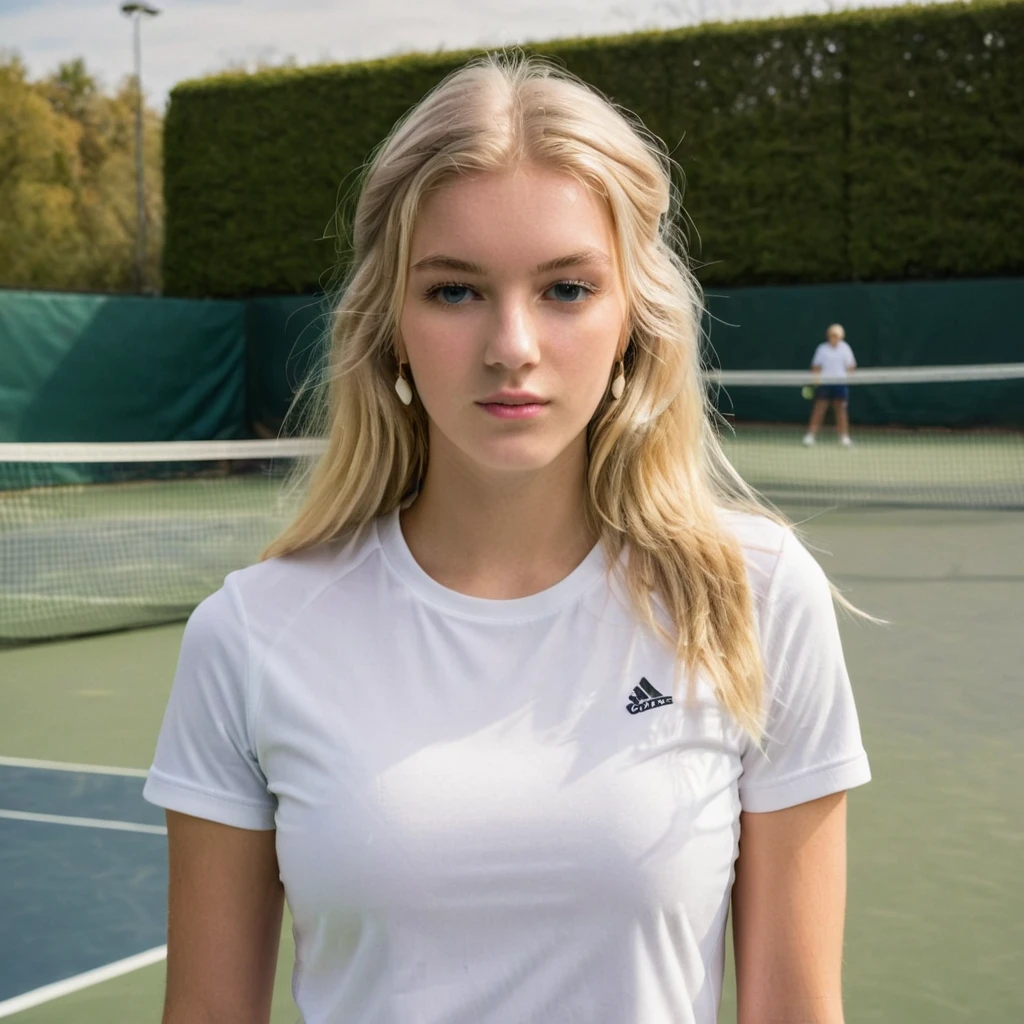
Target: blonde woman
x: 531, y: 688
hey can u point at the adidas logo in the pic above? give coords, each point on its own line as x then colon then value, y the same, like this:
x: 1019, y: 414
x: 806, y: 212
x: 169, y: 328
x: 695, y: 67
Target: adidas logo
x: 644, y: 697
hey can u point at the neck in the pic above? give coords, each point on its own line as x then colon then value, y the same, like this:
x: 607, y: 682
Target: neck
x: 500, y: 535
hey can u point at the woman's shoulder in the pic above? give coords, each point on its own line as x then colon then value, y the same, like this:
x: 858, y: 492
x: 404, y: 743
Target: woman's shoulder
x: 756, y: 532
x: 281, y: 586
x: 776, y: 559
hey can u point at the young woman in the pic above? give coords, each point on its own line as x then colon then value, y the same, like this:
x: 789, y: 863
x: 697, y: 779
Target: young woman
x: 834, y: 358
x: 531, y: 686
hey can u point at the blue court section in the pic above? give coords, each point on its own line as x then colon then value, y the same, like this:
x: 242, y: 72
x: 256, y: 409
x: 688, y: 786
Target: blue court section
x: 76, y: 898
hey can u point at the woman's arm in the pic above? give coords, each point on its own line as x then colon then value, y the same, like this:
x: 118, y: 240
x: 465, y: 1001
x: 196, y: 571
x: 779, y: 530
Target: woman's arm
x: 224, y: 922
x: 788, y: 903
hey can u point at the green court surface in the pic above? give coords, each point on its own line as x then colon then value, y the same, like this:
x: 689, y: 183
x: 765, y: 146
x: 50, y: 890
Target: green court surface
x: 935, y: 930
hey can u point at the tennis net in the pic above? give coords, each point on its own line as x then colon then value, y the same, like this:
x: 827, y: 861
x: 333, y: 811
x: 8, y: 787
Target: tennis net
x: 938, y: 437
x: 97, y: 537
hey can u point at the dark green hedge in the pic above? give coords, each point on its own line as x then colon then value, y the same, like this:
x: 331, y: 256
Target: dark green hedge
x: 870, y: 145
x: 936, y: 155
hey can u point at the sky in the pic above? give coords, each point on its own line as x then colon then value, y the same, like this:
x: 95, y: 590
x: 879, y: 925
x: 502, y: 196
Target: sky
x: 191, y: 38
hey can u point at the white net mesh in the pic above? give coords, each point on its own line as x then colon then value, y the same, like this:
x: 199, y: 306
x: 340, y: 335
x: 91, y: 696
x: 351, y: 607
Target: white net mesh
x: 940, y: 436
x: 98, y: 537
x: 921, y: 468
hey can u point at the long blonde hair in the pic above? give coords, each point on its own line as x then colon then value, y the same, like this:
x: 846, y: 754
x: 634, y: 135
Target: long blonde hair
x: 657, y: 475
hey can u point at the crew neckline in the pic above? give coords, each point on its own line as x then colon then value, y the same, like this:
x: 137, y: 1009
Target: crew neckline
x: 532, y: 606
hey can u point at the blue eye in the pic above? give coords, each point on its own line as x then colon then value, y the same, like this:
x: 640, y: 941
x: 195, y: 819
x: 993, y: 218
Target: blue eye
x: 451, y: 294
x: 569, y: 291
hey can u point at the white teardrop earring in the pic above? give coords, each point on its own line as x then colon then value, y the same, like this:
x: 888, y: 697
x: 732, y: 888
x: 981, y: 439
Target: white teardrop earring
x: 403, y: 388
x: 619, y: 383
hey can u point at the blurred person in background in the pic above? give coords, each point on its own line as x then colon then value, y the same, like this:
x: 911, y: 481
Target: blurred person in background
x: 833, y: 358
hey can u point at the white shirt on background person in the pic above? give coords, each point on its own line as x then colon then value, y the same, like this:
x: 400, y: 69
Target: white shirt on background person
x: 834, y: 360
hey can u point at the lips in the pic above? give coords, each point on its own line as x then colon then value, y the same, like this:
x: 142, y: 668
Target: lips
x: 513, y: 398
x: 513, y: 405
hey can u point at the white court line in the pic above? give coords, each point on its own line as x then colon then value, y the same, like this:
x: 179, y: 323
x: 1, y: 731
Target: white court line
x: 62, y: 988
x: 68, y: 766
x: 64, y: 819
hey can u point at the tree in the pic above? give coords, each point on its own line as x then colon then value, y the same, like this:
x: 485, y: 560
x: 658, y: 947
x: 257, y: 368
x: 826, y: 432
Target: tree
x: 67, y: 181
x: 39, y: 167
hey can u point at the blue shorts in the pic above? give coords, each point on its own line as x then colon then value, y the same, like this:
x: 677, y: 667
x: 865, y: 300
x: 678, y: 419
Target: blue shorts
x: 833, y: 392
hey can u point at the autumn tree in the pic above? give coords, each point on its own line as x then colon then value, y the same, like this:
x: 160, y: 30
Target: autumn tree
x: 67, y: 181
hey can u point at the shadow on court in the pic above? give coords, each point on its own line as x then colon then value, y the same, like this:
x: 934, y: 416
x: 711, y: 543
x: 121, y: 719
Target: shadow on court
x: 935, y: 929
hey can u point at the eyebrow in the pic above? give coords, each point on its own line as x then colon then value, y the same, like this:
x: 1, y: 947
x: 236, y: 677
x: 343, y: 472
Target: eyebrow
x: 583, y: 258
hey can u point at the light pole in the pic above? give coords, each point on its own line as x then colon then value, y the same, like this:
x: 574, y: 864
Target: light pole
x: 135, y: 12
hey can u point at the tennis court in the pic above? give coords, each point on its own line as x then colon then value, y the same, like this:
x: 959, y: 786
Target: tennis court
x: 935, y: 930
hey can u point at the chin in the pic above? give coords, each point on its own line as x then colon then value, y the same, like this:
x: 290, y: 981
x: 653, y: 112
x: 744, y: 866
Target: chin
x: 520, y: 455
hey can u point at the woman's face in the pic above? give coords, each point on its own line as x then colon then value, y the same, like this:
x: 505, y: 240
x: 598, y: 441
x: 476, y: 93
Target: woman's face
x: 514, y: 315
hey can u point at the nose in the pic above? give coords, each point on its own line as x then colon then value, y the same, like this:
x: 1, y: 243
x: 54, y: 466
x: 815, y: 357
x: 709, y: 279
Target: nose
x: 512, y: 342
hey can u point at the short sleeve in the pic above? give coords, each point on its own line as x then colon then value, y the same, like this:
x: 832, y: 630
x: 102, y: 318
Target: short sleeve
x: 812, y: 744
x: 816, y: 360
x: 205, y: 764
x: 851, y: 362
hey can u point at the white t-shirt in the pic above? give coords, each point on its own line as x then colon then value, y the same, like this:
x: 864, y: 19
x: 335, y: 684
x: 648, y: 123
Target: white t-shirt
x: 834, y: 360
x: 489, y: 812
